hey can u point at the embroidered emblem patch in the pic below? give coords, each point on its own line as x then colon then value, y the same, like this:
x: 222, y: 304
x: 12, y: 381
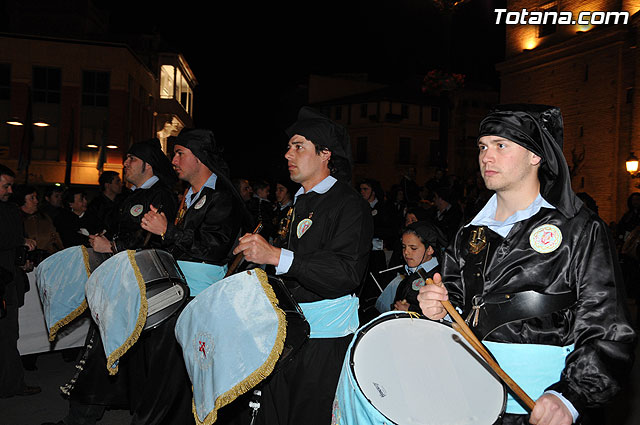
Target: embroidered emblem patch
x: 545, y: 239
x: 417, y: 284
x: 136, y: 210
x: 303, y: 226
x: 201, y: 202
x: 374, y: 212
x: 203, y: 349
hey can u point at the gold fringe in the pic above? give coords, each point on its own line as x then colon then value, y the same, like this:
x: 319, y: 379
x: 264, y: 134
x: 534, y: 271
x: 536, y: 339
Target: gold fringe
x: 140, y: 322
x: 79, y: 310
x: 85, y: 256
x: 263, y: 371
x: 66, y: 320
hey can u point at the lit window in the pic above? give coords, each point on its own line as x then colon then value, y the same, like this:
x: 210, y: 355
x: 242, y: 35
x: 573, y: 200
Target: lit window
x: 167, y: 76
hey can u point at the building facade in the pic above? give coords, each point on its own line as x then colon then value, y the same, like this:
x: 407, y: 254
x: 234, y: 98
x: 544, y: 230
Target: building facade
x: 590, y: 72
x: 397, y: 131
x: 89, y: 100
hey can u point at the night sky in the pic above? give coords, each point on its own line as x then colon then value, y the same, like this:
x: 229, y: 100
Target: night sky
x: 251, y: 59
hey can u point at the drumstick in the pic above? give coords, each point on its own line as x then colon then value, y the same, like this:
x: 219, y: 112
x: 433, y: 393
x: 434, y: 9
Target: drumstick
x: 461, y: 326
x: 240, y: 256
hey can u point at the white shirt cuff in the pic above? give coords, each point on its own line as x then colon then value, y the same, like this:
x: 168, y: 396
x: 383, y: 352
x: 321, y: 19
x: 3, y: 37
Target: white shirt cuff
x: 567, y: 403
x: 286, y: 259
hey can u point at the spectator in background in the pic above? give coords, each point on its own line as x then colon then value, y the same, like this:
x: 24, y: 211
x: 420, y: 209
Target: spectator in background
x: 261, y: 208
x: 52, y: 204
x: 448, y: 214
x: 105, y: 206
x: 11, y: 291
x: 285, y: 191
x: 244, y: 188
x: 37, y: 225
x: 75, y: 223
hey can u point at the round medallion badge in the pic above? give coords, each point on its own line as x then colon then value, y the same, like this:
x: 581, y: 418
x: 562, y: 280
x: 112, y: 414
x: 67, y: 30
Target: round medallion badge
x: 136, y: 210
x: 417, y: 284
x: 303, y: 226
x: 200, y: 202
x: 546, y: 238
x: 374, y: 213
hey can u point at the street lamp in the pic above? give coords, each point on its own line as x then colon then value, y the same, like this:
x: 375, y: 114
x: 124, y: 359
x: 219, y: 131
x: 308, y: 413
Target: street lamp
x: 632, y: 166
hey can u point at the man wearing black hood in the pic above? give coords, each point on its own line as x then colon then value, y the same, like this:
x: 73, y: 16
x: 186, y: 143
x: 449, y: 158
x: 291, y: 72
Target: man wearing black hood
x: 200, y: 239
x: 536, y: 275
x: 148, y: 169
x: 324, y: 263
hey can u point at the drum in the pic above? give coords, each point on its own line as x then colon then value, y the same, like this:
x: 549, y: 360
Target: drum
x: 131, y: 292
x: 407, y: 370
x: 166, y: 287
x: 236, y: 333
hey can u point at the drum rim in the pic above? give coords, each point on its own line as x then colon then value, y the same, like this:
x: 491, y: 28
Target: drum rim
x: 400, y: 315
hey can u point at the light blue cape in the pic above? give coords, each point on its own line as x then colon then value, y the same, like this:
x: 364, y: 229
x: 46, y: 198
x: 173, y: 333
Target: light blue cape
x: 61, y: 279
x: 232, y: 335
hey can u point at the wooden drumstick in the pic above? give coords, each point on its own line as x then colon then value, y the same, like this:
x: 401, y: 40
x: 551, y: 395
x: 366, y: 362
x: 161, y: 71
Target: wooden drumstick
x: 240, y: 255
x: 461, y: 326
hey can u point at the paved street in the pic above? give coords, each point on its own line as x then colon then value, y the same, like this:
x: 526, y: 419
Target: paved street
x: 54, y: 371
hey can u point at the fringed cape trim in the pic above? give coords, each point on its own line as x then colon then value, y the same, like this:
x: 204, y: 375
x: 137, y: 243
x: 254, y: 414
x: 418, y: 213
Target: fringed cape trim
x: 79, y: 310
x: 263, y: 371
x: 140, y: 322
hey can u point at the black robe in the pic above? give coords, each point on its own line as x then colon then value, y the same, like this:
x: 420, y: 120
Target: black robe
x: 586, y: 264
x: 330, y: 260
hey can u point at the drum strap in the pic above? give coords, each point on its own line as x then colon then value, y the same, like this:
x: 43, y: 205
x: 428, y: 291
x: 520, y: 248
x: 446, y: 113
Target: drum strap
x: 495, y: 310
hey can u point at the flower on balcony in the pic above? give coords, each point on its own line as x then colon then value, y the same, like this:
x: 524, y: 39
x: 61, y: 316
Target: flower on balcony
x: 437, y: 81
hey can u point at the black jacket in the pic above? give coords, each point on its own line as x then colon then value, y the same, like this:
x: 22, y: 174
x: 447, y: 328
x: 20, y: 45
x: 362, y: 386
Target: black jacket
x: 586, y: 264
x: 209, y: 229
x: 331, y: 257
x: 129, y: 234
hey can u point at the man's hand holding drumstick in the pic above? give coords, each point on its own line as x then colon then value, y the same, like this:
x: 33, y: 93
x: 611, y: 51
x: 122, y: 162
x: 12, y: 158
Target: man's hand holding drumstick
x: 548, y: 409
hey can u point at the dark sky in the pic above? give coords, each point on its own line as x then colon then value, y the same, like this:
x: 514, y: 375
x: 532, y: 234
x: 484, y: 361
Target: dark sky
x: 250, y: 59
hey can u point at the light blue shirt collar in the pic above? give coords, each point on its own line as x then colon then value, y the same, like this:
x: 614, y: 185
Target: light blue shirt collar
x: 146, y: 185
x: 427, y: 265
x: 211, y: 183
x: 322, y: 187
x: 486, y: 215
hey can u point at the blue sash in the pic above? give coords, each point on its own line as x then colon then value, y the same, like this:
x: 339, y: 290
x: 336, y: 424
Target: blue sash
x: 60, y: 279
x: 201, y: 275
x: 117, y: 297
x: 333, y: 318
x: 231, y: 335
x: 534, y: 367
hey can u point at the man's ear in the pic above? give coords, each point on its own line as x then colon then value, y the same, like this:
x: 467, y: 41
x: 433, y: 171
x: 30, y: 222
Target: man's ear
x: 325, y: 154
x: 535, y: 159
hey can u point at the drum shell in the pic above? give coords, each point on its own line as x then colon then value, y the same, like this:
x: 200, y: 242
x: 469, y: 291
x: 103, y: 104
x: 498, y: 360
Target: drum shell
x: 161, y: 273
x: 297, y: 326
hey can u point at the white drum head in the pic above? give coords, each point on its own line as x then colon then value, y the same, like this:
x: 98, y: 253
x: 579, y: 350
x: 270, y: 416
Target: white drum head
x: 414, y: 371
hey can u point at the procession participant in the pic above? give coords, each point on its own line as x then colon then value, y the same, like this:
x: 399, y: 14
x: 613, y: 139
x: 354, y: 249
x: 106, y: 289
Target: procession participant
x: 422, y: 244
x: 329, y: 243
x: 536, y: 274
x: 149, y: 171
x: 283, y: 211
x: 201, y: 240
